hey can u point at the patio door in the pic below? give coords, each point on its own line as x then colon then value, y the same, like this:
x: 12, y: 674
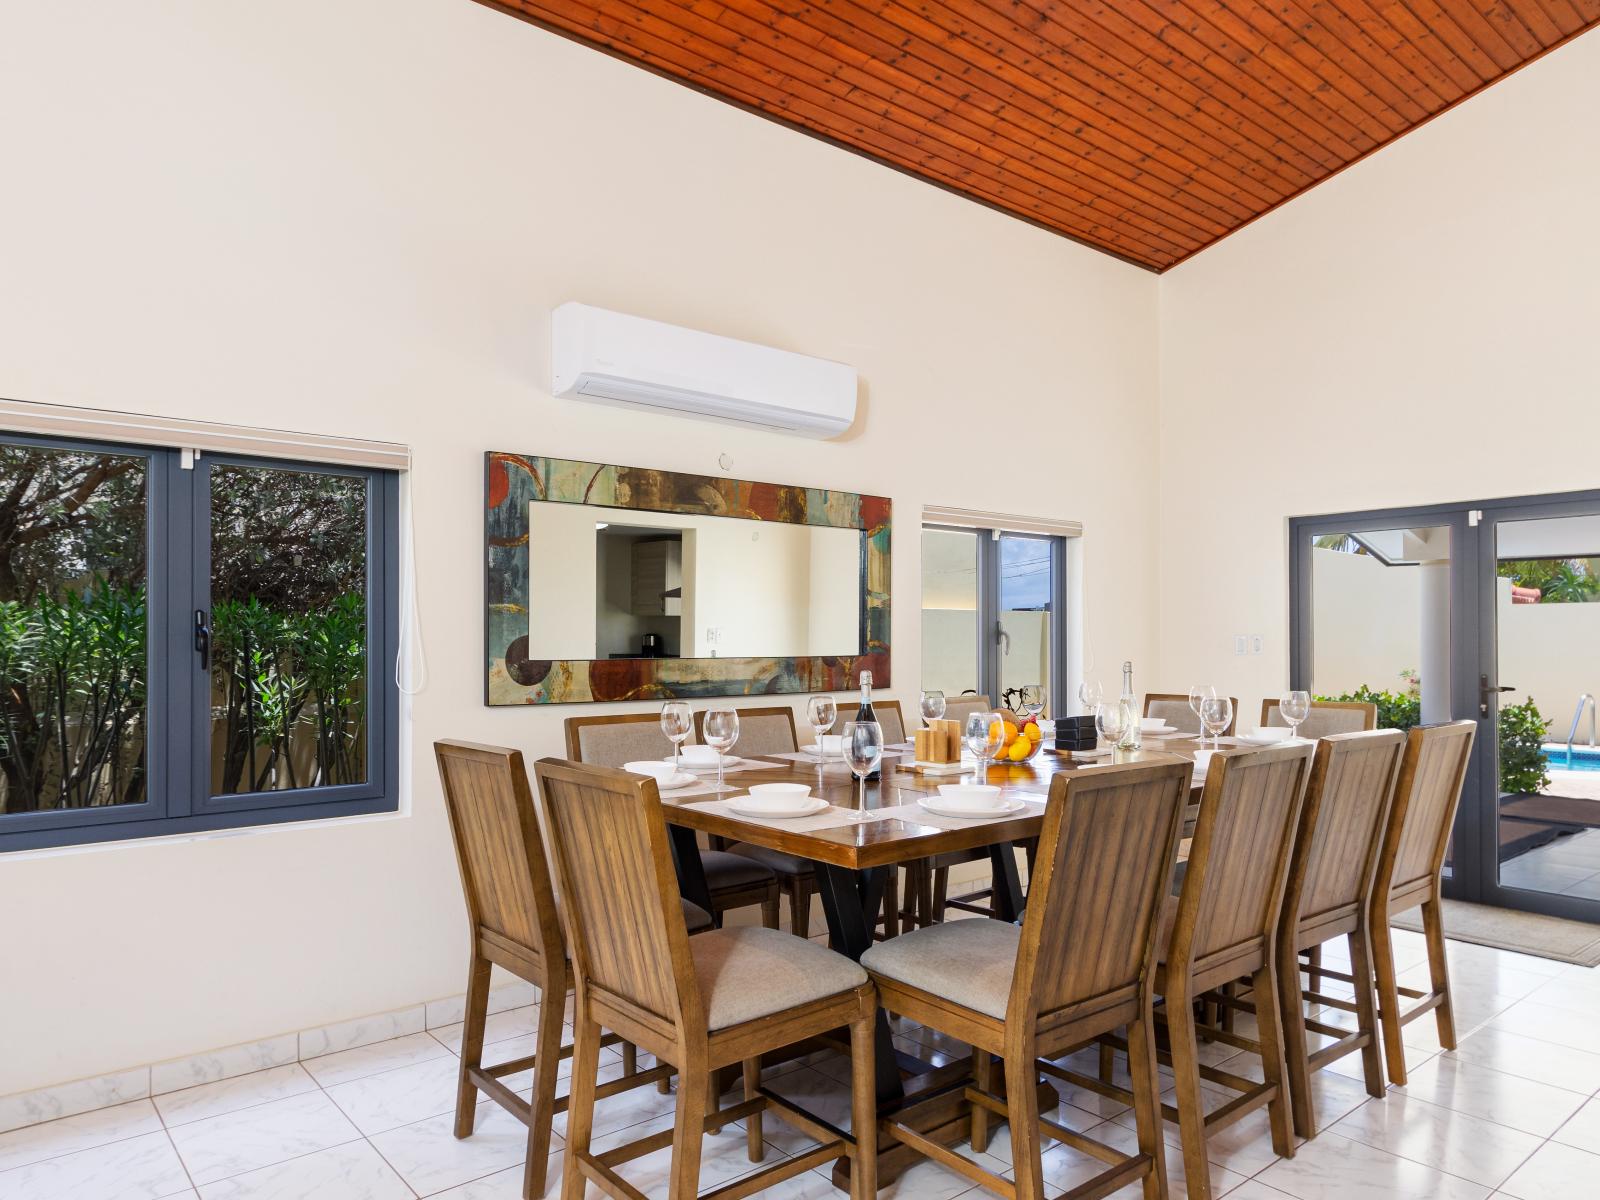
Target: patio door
x: 1488, y: 612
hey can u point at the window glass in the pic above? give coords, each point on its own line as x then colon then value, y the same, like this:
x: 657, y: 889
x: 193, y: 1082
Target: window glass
x: 289, y: 629
x: 949, y: 611
x: 73, y: 666
x: 1026, y: 582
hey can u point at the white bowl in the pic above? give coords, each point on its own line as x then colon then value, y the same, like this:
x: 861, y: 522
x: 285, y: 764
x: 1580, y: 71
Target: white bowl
x: 1152, y: 724
x: 661, y: 772
x: 1268, y: 736
x: 775, y: 797
x: 698, y: 756
x: 974, y: 796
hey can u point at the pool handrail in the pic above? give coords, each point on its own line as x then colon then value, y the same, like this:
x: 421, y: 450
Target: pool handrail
x: 1572, y: 734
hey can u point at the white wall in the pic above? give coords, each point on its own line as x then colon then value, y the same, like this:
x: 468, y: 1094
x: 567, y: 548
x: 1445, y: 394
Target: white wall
x: 1420, y: 328
x: 355, y: 218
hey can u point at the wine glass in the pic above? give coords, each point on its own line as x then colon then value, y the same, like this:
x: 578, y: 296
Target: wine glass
x: 1294, y: 707
x: 1031, y: 698
x: 1090, y: 694
x: 1196, y: 694
x: 721, y: 732
x: 1215, y: 714
x: 676, y: 722
x: 863, y: 748
x: 1110, y: 722
x: 985, y: 733
x: 821, y: 712
x: 932, y: 707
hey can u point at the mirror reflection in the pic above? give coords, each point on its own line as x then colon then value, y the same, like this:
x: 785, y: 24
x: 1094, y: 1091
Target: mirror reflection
x: 621, y: 583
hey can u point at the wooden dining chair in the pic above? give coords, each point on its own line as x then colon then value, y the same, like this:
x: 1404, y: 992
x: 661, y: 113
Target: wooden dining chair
x: 511, y: 913
x: 734, y: 880
x: 1327, y: 717
x: 1223, y: 927
x: 1173, y: 708
x: 1327, y: 896
x: 889, y: 717
x: 959, y: 708
x: 1410, y: 867
x: 1081, y: 964
x: 723, y: 997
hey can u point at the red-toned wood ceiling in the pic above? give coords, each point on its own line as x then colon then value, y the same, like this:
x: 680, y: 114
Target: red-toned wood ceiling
x: 1146, y: 128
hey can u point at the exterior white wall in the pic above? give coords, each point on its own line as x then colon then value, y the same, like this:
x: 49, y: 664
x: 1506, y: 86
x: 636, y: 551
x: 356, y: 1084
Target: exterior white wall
x: 356, y: 218
x: 1418, y: 329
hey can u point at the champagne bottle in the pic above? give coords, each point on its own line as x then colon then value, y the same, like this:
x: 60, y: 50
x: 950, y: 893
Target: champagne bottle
x: 1128, y: 705
x: 864, y: 713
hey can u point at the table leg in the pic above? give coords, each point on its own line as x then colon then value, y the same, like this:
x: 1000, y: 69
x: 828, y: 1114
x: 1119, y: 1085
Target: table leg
x: 1008, y: 899
x: 691, y: 871
x: 850, y: 902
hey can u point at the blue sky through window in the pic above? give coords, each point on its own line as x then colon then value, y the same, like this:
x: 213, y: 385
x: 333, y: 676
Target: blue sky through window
x: 1024, y: 573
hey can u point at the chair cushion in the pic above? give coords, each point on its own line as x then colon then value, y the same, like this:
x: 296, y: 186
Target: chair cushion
x: 695, y: 917
x: 752, y: 972
x: 969, y: 962
x: 779, y: 862
x: 727, y: 870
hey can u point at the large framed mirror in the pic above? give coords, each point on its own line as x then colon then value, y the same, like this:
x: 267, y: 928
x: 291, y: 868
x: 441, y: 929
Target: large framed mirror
x: 624, y: 583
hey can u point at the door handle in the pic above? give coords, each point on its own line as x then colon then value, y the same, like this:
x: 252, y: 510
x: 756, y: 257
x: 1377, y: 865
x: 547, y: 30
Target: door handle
x: 202, y: 638
x: 1000, y: 635
x: 1485, y: 691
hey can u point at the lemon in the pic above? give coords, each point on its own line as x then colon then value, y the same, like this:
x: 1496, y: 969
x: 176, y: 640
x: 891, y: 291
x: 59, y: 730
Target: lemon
x: 1020, y: 749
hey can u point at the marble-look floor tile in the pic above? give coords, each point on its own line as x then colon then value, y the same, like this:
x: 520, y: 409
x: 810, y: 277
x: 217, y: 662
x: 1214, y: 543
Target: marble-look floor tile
x: 513, y: 1022
x: 138, y: 1168
x: 1330, y: 1167
x: 230, y: 1095
x: 197, y: 1069
x: 81, y: 1132
x: 1583, y: 1130
x: 430, y: 1158
x: 1576, y: 993
x: 506, y: 1184
x: 354, y: 1171
x: 452, y: 1010
x: 1555, y: 1172
x: 362, y: 1031
x: 1546, y: 1022
x: 405, y: 1096
x: 626, y: 1108
x: 333, y: 1069
x: 1066, y: 1168
x: 723, y: 1157
x: 1466, y: 1087
x: 1468, y: 1147
x: 1530, y: 1058
x: 1254, y: 1189
x: 21, y: 1109
x: 233, y: 1143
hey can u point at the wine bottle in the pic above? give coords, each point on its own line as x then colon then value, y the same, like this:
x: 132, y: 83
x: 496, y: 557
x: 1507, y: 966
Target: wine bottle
x: 864, y: 713
x: 1128, y: 705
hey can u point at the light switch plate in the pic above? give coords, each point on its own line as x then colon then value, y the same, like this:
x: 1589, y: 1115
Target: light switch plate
x: 1239, y: 643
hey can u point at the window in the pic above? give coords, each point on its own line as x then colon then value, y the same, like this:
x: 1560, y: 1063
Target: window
x: 186, y: 648
x: 992, y: 609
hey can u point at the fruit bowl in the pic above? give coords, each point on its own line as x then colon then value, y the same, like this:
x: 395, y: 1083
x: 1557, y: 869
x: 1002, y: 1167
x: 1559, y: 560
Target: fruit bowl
x: 1023, y: 739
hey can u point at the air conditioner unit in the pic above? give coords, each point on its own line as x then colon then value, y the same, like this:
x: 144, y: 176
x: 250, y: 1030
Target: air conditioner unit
x: 612, y: 358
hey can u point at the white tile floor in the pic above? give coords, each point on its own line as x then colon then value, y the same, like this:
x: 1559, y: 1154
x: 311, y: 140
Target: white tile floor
x: 1512, y: 1113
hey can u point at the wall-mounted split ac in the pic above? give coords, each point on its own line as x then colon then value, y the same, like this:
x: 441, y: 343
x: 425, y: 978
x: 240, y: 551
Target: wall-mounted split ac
x: 613, y: 358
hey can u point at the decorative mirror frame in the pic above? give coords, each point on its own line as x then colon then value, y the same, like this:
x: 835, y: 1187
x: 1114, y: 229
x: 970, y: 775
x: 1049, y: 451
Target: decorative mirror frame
x: 511, y: 481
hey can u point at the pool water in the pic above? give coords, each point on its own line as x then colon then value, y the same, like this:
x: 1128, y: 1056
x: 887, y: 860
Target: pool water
x: 1584, y: 758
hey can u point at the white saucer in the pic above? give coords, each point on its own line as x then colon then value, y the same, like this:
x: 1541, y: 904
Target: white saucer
x: 681, y: 780
x: 728, y: 760
x: 935, y: 805
x: 807, y: 807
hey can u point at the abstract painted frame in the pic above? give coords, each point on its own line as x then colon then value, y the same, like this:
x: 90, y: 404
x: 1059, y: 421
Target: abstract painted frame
x: 512, y: 481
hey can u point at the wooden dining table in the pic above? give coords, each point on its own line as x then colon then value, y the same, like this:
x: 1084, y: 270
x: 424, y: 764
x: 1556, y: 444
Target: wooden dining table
x: 852, y: 860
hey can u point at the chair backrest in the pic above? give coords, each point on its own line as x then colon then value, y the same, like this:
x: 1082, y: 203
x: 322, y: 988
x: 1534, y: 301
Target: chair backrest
x: 1107, y: 851
x: 1239, y: 859
x: 1425, y: 800
x: 1327, y: 717
x: 614, y: 740
x: 625, y: 917
x: 888, y: 714
x: 957, y: 708
x: 1175, y: 711
x: 504, y: 875
x: 761, y: 731
x: 1341, y: 831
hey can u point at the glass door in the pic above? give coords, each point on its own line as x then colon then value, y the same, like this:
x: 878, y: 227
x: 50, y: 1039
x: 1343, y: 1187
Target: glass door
x: 1540, y: 799
x: 1025, y: 616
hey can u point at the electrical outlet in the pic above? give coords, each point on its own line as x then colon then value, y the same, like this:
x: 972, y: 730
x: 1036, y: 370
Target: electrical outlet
x: 713, y: 635
x: 1255, y: 643
x: 1239, y: 643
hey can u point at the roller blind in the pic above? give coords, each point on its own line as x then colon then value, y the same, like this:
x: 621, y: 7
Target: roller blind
x: 60, y: 420
x: 972, y: 518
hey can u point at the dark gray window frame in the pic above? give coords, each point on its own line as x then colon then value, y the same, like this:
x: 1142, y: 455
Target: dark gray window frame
x: 178, y: 583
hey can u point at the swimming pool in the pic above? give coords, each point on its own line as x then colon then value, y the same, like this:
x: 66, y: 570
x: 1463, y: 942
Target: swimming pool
x: 1584, y: 758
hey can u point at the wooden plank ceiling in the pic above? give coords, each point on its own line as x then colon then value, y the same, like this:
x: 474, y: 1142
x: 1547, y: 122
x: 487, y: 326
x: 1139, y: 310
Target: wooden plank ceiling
x: 1146, y: 128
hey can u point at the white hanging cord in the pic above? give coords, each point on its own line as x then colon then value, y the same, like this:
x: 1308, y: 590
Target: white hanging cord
x: 411, y: 659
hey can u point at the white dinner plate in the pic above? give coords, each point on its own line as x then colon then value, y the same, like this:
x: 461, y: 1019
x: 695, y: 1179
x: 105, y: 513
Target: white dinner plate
x: 810, y: 806
x: 1263, y: 737
x: 1162, y: 735
x: 679, y: 781
x: 728, y: 760
x: 935, y: 805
